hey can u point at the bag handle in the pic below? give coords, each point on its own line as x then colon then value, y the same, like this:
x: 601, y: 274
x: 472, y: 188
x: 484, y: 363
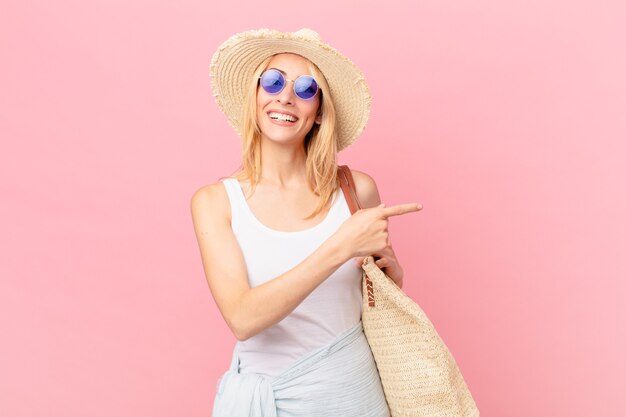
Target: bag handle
x: 349, y: 191
x: 347, y: 186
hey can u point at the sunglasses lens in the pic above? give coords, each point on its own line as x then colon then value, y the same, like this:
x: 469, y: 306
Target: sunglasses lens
x: 305, y: 87
x: 272, y: 81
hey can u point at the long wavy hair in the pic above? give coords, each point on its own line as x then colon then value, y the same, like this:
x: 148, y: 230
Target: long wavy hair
x: 320, y: 143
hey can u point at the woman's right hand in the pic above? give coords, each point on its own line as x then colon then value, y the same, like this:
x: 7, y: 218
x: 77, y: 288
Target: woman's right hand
x: 365, y: 232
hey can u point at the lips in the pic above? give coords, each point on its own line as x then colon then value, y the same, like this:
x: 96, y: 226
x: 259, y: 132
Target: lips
x: 282, y: 116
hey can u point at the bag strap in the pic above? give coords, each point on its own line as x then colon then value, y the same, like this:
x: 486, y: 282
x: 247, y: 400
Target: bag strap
x: 349, y: 191
x: 347, y: 186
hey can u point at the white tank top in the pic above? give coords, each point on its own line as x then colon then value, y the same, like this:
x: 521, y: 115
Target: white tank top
x: 333, y: 307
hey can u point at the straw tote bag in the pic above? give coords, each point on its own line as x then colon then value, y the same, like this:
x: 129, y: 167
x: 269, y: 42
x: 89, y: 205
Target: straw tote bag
x: 419, y: 374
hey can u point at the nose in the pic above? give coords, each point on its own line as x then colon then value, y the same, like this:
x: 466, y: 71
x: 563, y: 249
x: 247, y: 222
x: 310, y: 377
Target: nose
x: 286, y: 95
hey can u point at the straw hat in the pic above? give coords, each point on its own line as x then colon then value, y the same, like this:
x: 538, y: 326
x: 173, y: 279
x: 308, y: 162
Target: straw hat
x: 235, y: 61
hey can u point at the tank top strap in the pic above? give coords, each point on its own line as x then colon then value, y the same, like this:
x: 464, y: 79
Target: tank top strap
x: 237, y: 201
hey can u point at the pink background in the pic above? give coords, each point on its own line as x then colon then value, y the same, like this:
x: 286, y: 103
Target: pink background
x: 506, y: 120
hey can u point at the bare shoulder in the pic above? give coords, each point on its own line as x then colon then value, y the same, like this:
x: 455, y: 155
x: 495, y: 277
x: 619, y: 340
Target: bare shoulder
x: 366, y: 189
x: 211, y: 200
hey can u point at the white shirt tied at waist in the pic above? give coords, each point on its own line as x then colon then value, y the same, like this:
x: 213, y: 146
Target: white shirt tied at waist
x: 344, y: 368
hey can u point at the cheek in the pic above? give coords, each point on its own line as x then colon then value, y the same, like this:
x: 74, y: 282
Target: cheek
x: 313, y: 110
x: 261, y: 103
x: 262, y: 100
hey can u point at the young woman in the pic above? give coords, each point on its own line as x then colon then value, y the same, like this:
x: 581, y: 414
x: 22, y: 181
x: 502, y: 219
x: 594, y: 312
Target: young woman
x: 280, y: 250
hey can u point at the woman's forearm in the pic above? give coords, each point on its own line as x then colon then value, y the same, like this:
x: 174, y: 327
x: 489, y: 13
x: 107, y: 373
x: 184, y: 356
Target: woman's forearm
x: 267, y: 304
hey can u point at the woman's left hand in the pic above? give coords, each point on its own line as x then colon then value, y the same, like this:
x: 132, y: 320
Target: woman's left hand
x: 388, y: 263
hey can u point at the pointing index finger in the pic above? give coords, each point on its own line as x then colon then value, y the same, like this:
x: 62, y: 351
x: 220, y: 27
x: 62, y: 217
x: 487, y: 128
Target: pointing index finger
x: 401, y: 209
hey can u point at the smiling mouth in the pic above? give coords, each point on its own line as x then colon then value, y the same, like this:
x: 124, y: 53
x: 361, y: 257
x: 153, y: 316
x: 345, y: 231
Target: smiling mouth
x: 279, y: 117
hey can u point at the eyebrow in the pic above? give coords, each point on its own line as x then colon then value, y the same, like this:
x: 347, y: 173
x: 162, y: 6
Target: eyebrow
x: 281, y: 71
x: 278, y: 69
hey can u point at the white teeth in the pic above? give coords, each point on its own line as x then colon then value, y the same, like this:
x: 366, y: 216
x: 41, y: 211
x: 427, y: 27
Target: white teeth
x: 282, y: 117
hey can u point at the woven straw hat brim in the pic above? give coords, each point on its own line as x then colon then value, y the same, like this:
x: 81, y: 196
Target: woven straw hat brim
x: 234, y: 62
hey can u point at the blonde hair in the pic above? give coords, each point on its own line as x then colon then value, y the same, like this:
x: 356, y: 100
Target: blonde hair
x: 320, y: 143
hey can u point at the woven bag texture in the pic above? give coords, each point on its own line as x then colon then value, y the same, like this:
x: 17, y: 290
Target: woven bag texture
x: 419, y: 374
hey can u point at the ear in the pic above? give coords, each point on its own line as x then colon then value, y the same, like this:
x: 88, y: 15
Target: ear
x: 318, y: 119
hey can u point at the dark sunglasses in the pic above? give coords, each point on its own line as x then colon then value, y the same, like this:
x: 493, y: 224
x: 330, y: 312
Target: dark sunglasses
x: 304, y: 86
